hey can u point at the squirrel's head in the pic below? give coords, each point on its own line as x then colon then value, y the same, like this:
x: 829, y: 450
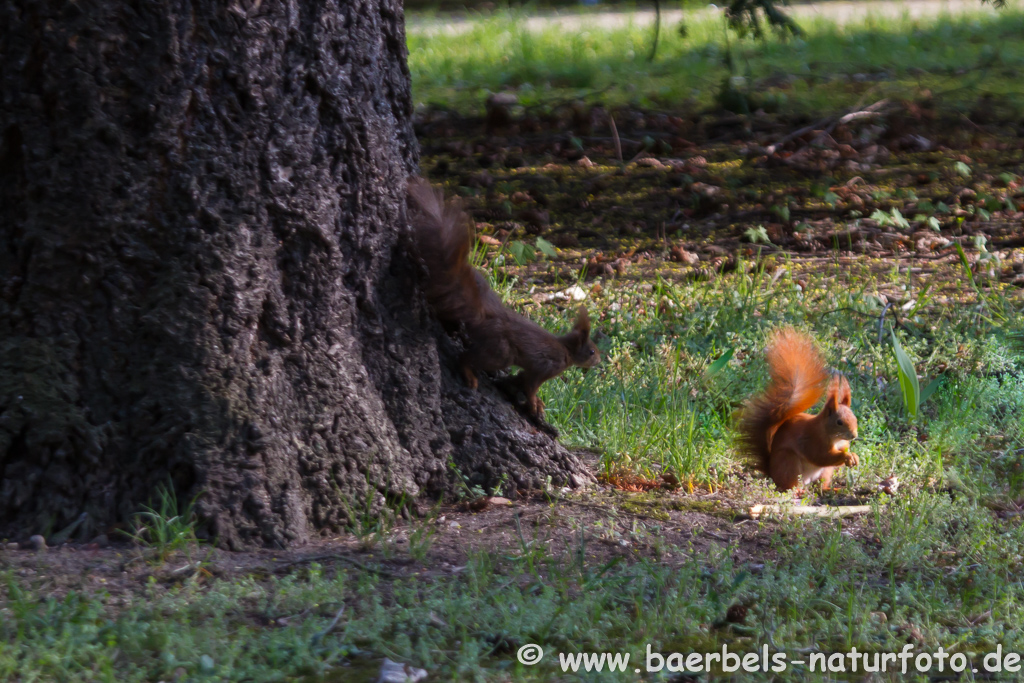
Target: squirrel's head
x: 581, y: 347
x: 840, y: 421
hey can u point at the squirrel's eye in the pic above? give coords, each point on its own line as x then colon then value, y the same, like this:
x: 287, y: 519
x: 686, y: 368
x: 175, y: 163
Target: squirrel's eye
x: 839, y: 422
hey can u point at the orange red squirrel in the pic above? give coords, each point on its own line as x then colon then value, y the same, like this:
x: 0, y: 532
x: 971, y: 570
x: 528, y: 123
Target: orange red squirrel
x: 791, y: 446
x: 496, y: 336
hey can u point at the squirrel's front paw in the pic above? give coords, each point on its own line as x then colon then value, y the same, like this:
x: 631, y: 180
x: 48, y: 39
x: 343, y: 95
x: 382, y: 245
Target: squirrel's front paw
x: 534, y: 408
x: 851, y: 459
x: 470, y: 378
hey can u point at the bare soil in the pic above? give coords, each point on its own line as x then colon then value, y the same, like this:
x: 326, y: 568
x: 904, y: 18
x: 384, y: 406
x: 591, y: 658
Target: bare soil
x: 664, y: 527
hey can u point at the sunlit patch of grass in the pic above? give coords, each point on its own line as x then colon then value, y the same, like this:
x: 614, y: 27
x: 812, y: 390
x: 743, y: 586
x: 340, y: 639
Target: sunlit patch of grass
x: 955, y: 57
x: 655, y: 405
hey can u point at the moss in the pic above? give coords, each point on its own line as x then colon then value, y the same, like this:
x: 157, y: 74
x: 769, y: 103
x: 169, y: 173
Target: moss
x: 658, y: 504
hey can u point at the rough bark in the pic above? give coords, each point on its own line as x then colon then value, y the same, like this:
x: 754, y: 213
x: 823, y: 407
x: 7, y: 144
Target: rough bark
x: 204, y: 273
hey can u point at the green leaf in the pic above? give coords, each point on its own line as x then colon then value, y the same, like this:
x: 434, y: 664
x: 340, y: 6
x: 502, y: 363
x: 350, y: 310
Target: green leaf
x: 722, y: 361
x: 522, y: 253
x: 758, y: 234
x: 930, y: 389
x: 966, y: 266
x: 963, y: 169
x: 831, y: 198
x: 933, y: 223
x: 898, y: 220
x: 908, y: 377
x: 922, y: 300
x: 546, y: 248
x: 881, y: 217
x: 942, y: 207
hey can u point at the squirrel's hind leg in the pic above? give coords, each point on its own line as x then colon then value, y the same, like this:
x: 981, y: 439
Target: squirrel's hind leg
x: 487, y: 353
x: 784, y: 467
x: 826, y: 478
x: 469, y: 376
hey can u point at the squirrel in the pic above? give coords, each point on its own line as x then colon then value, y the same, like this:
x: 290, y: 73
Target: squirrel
x: 791, y: 446
x: 496, y: 336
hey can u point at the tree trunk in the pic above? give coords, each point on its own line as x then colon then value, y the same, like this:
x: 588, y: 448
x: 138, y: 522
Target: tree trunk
x: 205, y: 274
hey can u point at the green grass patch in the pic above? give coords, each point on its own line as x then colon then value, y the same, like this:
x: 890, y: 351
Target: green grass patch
x: 955, y: 58
x: 663, y: 400
x: 926, y: 570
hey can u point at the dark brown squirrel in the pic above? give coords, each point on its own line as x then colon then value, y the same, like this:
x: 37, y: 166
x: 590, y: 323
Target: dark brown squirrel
x: 796, y: 448
x: 496, y: 336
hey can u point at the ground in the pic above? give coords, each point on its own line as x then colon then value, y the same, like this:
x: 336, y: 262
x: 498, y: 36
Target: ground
x: 689, y: 232
x: 597, y: 530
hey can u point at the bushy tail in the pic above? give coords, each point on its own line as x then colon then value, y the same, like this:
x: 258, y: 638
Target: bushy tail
x: 798, y: 380
x: 443, y: 238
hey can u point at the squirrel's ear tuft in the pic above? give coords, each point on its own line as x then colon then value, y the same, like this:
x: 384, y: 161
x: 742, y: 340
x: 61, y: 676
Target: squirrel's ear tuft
x: 839, y: 389
x: 844, y: 394
x: 831, y: 401
x: 582, y: 324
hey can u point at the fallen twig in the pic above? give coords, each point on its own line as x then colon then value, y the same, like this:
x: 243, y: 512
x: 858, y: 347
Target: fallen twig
x: 330, y: 627
x: 715, y: 536
x: 757, y: 511
x: 615, y: 137
x: 866, y: 112
x: 871, y: 110
x: 881, y: 321
x: 771, y: 149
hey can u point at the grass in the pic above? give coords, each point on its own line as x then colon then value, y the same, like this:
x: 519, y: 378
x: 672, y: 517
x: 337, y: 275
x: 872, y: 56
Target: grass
x: 163, y: 530
x: 831, y: 66
x: 938, y: 565
x: 654, y: 406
